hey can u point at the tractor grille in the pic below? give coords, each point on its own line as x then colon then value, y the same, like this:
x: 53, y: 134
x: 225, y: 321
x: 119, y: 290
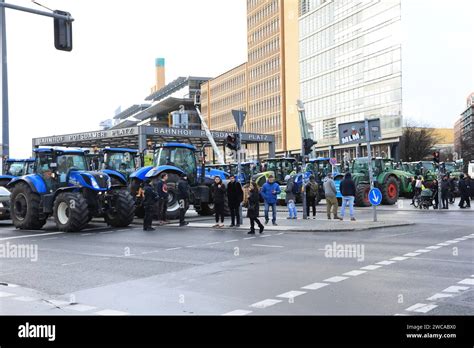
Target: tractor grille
x: 97, y: 176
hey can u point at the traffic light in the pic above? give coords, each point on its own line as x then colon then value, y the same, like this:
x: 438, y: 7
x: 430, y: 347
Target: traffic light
x: 238, y: 144
x: 308, y: 146
x: 62, y: 32
x: 231, y: 142
x: 436, y: 157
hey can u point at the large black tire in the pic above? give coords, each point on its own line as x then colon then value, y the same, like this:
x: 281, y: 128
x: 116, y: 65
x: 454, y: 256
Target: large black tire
x: 70, y: 212
x: 206, y: 209
x: 390, y: 191
x: 25, y: 208
x: 123, y: 210
x: 173, y: 202
x: 362, y: 195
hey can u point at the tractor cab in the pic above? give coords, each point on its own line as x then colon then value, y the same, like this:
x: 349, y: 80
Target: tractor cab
x: 124, y: 161
x: 281, y: 167
x: 18, y: 167
x: 319, y: 167
x: 180, y: 156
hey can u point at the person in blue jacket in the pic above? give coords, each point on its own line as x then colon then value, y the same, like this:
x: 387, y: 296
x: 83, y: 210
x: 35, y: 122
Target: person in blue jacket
x: 270, y: 191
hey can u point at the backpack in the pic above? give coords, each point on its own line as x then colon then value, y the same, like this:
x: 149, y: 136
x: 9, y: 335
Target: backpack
x: 312, y: 189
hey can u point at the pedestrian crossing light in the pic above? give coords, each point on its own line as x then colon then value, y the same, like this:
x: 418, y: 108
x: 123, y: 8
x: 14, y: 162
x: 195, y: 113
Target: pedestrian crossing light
x: 231, y: 142
x: 308, y: 146
x: 63, y: 32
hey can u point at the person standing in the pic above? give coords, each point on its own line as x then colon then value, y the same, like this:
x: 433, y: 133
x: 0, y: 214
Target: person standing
x: 452, y: 190
x: 269, y: 193
x: 162, y: 190
x: 253, y: 210
x: 149, y: 201
x: 434, y: 189
x: 464, y: 190
x: 312, y: 191
x: 348, y: 190
x: 445, y: 192
x: 330, y: 193
x: 183, y: 197
x: 235, y: 196
x: 290, y: 198
x: 218, y: 193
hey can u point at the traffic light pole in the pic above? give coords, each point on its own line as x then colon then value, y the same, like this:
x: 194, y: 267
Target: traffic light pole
x: 369, y: 154
x: 3, y: 48
x: 239, y: 162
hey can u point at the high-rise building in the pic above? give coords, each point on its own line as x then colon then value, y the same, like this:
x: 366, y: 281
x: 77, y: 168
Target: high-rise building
x: 464, y: 132
x: 266, y: 86
x: 351, y: 69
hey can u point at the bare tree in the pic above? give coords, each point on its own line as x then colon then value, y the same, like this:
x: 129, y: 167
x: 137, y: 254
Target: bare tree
x: 417, y: 141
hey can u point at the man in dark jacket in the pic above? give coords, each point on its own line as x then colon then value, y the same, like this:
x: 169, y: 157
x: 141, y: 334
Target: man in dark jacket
x: 464, y: 190
x: 149, y: 202
x: 183, y: 197
x: 235, y: 196
x: 348, y: 191
x: 162, y: 190
x: 445, y: 192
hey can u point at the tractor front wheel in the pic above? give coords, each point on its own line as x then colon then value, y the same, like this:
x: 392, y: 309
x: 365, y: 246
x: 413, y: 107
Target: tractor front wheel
x: 362, y: 195
x: 122, y: 210
x: 390, y: 191
x: 25, y: 208
x: 70, y: 212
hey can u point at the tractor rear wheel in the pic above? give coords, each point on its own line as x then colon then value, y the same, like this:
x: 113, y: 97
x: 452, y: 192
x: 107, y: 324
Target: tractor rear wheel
x: 362, y: 195
x: 122, y: 212
x: 390, y: 191
x: 71, y: 212
x: 25, y: 208
x: 206, y: 209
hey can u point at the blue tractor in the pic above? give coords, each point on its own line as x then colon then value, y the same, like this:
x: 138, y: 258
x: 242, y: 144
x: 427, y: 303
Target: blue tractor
x: 175, y: 159
x: 62, y: 186
x: 15, y: 167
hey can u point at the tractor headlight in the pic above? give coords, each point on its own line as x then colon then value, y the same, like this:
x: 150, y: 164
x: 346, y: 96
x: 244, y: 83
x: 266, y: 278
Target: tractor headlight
x: 95, y: 184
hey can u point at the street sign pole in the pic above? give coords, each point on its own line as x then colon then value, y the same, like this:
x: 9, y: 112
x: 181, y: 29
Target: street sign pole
x: 239, y: 117
x: 369, y: 154
x: 5, y: 114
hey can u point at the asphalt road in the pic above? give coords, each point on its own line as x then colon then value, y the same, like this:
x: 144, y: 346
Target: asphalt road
x: 426, y: 268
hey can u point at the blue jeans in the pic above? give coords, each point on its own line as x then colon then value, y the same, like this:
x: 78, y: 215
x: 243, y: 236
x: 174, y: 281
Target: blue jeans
x: 274, y: 211
x: 347, y: 200
x: 292, y: 209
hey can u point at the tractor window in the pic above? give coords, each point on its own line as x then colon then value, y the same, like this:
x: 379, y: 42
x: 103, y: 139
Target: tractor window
x: 15, y: 169
x: 67, y: 162
x: 121, y: 161
x: 180, y: 157
x: 360, y: 166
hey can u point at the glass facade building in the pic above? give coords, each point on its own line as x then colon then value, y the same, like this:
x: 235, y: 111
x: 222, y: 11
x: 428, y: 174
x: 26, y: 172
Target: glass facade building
x: 351, y: 69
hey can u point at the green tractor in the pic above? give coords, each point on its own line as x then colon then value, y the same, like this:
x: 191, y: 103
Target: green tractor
x: 427, y: 169
x: 392, y: 182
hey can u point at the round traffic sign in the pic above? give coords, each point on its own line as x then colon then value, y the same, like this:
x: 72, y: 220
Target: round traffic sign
x: 375, y: 196
x: 333, y: 161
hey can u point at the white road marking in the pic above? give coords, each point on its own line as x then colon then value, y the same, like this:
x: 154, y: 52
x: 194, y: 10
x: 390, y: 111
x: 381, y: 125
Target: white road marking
x: 110, y: 312
x: 250, y: 238
x: 335, y: 279
x: 443, y: 244
x: 267, y: 246
x: 438, y: 296
x: 170, y: 249
x: 456, y: 289
x: 460, y: 239
x: 238, y: 312
x: 214, y: 243
x: 266, y: 236
x: 232, y: 241
x: 385, y: 263
x: 279, y: 234
x: 25, y: 299
x: 399, y: 258
x: 50, y: 238
x: 107, y: 232
x: 422, y: 251
x: 426, y: 309
x: 265, y: 303
x: 434, y: 247
x: 81, y: 308
x: 33, y: 235
x: 314, y: 286
x: 292, y: 294
x: 354, y: 273
x: 416, y: 306
x: 58, y: 303
x: 467, y: 281
x: 191, y: 246
x: 5, y: 294
x: 371, y: 267
x: 87, y: 234
x: 412, y: 254
x: 452, y: 241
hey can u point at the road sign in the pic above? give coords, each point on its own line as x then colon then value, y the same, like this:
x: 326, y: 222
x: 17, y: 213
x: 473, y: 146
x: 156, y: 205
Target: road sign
x: 333, y: 161
x: 239, y: 117
x: 375, y: 196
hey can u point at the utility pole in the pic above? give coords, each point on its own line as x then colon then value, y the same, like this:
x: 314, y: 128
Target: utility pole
x: 239, y: 117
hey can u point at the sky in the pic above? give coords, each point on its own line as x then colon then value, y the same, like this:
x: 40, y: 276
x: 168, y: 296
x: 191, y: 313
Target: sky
x: 116, y: 42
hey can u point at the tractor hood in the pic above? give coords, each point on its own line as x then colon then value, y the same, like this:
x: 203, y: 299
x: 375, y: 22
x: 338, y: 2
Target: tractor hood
x: 97, y: 181
x: 158, y: 170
